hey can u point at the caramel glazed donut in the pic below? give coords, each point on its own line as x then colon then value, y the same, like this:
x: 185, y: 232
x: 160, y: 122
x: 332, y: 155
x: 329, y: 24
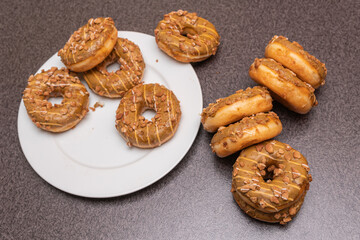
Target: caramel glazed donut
x: 89, y: 45
x: 292, y: 55
x: 283, y: 84
x: 137, y: 130
x: 186, y: 37
x: 54, y: 83
x: 278, y: 198
x: 115, y: 84
x: 235, y: 107
x: 248, y: 131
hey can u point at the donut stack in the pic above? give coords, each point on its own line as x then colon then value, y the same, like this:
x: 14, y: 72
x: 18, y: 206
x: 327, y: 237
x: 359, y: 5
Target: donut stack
x: 290, y: 73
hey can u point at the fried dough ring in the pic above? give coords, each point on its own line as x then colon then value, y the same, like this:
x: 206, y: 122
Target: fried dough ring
x: 115, y: 84
x: 280, y: 197
x: 293, y: 56
x: 54, y: 83
x: 248, y: 131
x: 283, y: 84
x: 186, y: 37
x: 137, y: 130
x: 235, y: 107
x: 89, y: 45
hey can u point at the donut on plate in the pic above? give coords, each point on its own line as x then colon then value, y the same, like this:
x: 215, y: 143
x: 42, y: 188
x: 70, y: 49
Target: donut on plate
x: 55, y: 83
x: 115, y: 84
x: 270, y: 181
x: 283, y: 84
x: 293, y: 56
x: 186, y: 37
x: 234, y: 107
x: 89, y: 45
x: 248, y: 131
x: 135, y: 128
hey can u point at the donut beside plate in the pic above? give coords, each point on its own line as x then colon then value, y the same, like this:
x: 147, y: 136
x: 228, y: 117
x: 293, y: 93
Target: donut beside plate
x: 235, y: 107
x: 283, y: 84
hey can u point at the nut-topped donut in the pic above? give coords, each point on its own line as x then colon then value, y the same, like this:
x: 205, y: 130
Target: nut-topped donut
x: 115, y: 84
x: 55, y: 83
x: 293, y: 56
x: 135, y: 128
x: 234, y: 107
x: 89, y: 45
x: 186, y: 37
x: 283, y: 84
x: 248, y: 131
x: 270, y: 181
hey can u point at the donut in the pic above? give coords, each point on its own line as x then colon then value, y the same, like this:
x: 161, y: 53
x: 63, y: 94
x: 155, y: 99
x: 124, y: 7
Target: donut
x: 248, y: 131
x: 115, y: 84
x: 270, y: 181
x: 55, y: 83
x: 186, y: 37
x: 137, y: 130
x: 283, y: 84
x: 293, y: 56
x: 234, y: 107
x: 89, y: 45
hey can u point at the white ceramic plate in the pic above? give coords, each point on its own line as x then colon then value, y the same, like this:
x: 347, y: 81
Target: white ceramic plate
x: 92, y: 160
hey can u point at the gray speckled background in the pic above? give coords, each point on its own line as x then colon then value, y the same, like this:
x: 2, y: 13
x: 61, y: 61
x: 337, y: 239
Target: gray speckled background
x: 193, y: 201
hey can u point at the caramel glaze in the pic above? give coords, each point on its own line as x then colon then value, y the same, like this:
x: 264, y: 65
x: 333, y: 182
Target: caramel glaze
x: 293, y: 56
x: 55, y: 83
x: 248, y: 131
x: 115, y: 84
x: 89, y: 45
x: 137, y: 130
x: 277, y: 199
x: 235, y: 107
x: 283, y: 85
x: 186, y: 37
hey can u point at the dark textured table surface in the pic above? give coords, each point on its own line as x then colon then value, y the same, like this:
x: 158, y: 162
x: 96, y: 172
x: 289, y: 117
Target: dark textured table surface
x: 193, y: 201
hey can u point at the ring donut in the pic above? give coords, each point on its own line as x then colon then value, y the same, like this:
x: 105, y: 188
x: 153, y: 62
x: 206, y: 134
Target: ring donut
x: 248, y: 131
x: 137, y: 130
x: 186, y: 37
x: 89, y: 45
x: 270, y: 181
x: 293, y: 56
x: 55, y: 83
x: 235, y: 107
x: 115, y: 84
x: 283, y: 84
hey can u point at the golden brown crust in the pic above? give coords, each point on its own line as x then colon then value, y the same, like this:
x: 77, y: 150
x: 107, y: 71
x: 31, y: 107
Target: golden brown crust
x: 235, y: 107
x: 89, y: 45
x: 186, y: 37
x: 54, y: 83
x: 293, y: 56
x: 279, y: 198
x: 248, y: 131
x: 116, y: 84
x: 283, y: 85
x: 137, y: 130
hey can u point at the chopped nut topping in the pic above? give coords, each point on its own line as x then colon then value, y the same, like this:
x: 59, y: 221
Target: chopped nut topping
x: 269, y: 148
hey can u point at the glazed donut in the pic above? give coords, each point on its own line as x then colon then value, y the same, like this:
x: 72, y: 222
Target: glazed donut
x: 186, y: 37
x: 248, y: 131
x: 55, y: 83
x: 235, y: 107
x: 270, y: 181
x: 293, y: 56
x: 140, y: 132
x: 283, y: 84
x: 89, y: 45
x: 115, y: 84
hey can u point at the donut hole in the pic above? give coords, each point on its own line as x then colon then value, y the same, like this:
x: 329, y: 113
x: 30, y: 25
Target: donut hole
x: 55, y: 99
x: 113, y: 67
x: 185, y: 31
x: 149, y: 114
x: 269, y: 175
